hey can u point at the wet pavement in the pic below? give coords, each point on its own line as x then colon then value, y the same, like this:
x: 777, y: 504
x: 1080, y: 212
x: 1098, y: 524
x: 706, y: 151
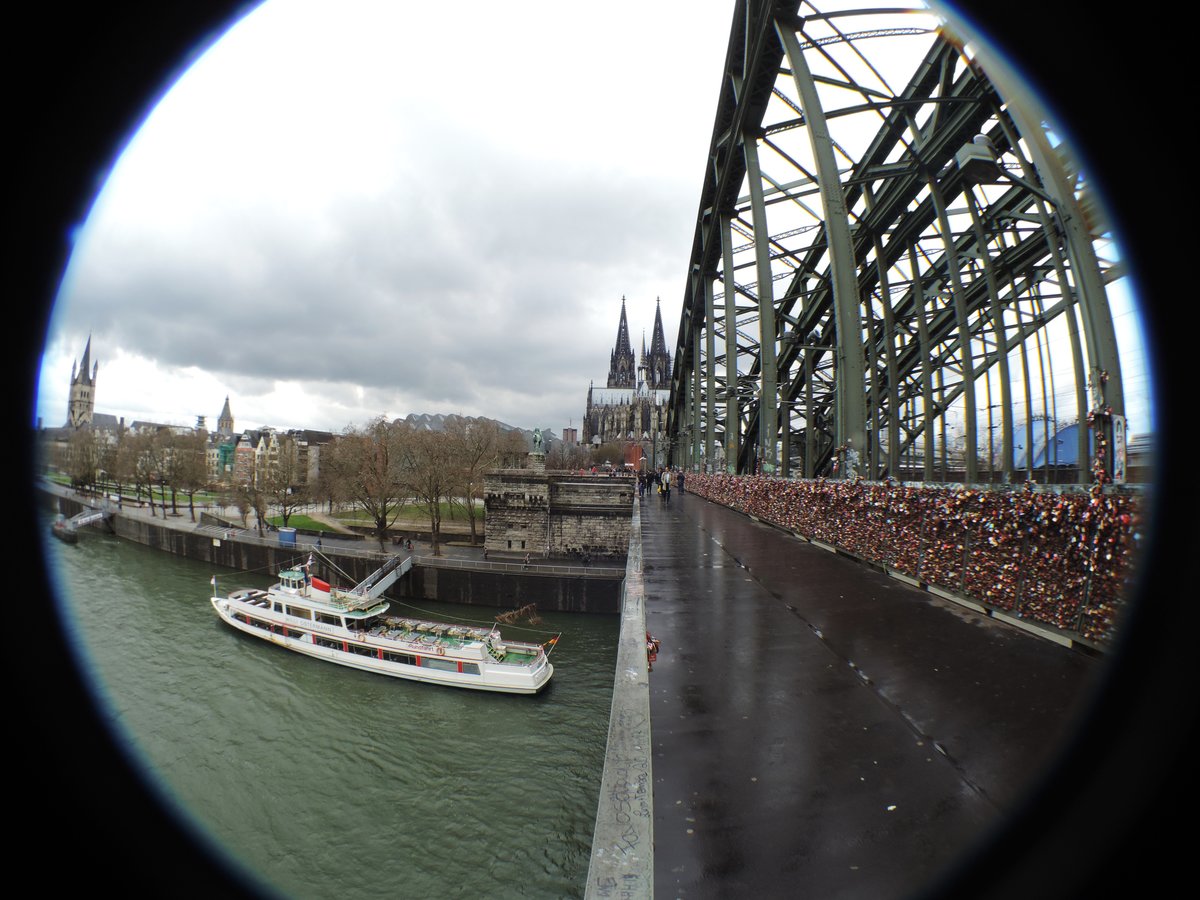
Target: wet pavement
x: 822, y: 730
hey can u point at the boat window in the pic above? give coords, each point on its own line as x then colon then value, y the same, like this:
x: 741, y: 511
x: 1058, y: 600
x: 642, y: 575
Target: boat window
x: 400, y: 658
x: 436, y: 662
x: 299, y: 612
x: 277, y: 606
x: 329, y: 619
x: 470, y: 668
x: 362, y: 650
x: 327, y: 642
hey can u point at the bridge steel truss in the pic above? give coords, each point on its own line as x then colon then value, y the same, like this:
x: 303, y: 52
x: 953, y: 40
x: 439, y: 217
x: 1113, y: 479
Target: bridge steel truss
x: 895, y: 270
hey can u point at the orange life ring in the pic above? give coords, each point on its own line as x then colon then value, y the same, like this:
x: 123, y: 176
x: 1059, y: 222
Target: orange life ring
x: 441, y: 651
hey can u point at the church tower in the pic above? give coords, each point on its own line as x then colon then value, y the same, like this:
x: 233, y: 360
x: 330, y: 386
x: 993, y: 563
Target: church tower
x: 81, y: 405
x: 621, y: 373
x: 657, y: 362
x: 225, y: 420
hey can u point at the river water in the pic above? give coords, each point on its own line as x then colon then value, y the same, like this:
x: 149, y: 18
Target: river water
x: 328, y: 782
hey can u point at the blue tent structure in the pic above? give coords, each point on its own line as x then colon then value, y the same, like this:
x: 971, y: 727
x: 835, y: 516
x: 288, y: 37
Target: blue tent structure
x: 1061, y: 450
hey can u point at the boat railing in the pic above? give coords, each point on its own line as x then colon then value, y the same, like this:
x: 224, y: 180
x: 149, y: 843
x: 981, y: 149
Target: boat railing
x: 351, y: 600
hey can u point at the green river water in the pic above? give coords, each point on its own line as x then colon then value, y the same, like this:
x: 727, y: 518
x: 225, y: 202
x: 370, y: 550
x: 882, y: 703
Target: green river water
x: 328, y: 782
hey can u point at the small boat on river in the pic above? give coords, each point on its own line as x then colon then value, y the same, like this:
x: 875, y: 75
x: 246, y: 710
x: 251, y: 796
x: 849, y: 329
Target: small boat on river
x: 62, y: 529
x: 352, y: 628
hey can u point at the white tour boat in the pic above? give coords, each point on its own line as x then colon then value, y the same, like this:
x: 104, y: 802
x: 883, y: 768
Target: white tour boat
x: 352, y: 628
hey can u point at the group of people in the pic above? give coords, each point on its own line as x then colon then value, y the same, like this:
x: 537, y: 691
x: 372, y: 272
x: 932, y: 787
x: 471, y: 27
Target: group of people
x: 660, y: 481
x: 1059, y: 557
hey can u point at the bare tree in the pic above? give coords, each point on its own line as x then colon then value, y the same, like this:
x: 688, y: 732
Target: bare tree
x: 239, y: 497
x: 189, y: 467
x: 135, y: 464
x: 611, y: 452
x: 153, y: 450
x: 83, y: 458
x: 511, y: 449
x: 475, y: 447
x: 173, y: 455
x: 568, y: 456
x: 429, y: 472
x: 329, y: 486
x: 364, y: 464
x: 281, y: 480
x: 117, y: 462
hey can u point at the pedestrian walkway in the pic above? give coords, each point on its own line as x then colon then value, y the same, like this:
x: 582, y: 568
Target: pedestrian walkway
x: 820, y: 729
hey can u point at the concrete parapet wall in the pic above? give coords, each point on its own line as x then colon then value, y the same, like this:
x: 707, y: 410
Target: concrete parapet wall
x: 622, y: 863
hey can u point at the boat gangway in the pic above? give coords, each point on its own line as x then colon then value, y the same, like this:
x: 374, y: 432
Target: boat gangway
x: 90, y: 516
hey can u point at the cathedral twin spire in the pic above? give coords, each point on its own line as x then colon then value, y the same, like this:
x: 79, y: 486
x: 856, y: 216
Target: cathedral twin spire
x: 656, y: 363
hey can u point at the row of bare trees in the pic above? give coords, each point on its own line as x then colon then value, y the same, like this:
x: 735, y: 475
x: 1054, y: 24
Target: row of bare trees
x: 160, y: 464
x: 384, y: 466
x: 379, y: 468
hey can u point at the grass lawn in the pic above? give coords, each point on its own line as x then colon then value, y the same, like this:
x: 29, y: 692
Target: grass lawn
x: 301, y: 522
x: 413, y: 513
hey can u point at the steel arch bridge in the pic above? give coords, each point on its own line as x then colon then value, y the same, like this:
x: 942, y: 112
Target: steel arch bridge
x: 897, y: 268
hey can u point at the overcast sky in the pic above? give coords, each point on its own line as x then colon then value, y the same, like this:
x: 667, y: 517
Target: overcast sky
x: 345, y: 210
x: 365, y: 208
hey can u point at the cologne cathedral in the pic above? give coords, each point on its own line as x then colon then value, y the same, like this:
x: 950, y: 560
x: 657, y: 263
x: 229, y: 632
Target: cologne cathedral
x: 632, y: 407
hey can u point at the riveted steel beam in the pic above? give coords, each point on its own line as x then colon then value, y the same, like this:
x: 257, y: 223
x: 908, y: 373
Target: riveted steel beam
x: 928, y: 290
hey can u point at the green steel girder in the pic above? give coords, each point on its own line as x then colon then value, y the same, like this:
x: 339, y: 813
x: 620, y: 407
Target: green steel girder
x: 876, y: 358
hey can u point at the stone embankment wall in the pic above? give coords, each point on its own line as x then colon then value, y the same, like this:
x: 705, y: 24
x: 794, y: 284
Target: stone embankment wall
x: 558, y: 514
x: 552, y: 592
x: 477, y: 584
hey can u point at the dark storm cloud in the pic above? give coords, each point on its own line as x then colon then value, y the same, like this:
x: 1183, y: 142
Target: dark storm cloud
x: 442, y: 288
x: 432, y: 252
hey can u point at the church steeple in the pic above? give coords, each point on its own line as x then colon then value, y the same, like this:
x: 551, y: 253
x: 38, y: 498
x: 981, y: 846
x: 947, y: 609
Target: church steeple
x: 621, y: 371
x: 81, y: 404
x: 658, y: 361
x: 225, y: 420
